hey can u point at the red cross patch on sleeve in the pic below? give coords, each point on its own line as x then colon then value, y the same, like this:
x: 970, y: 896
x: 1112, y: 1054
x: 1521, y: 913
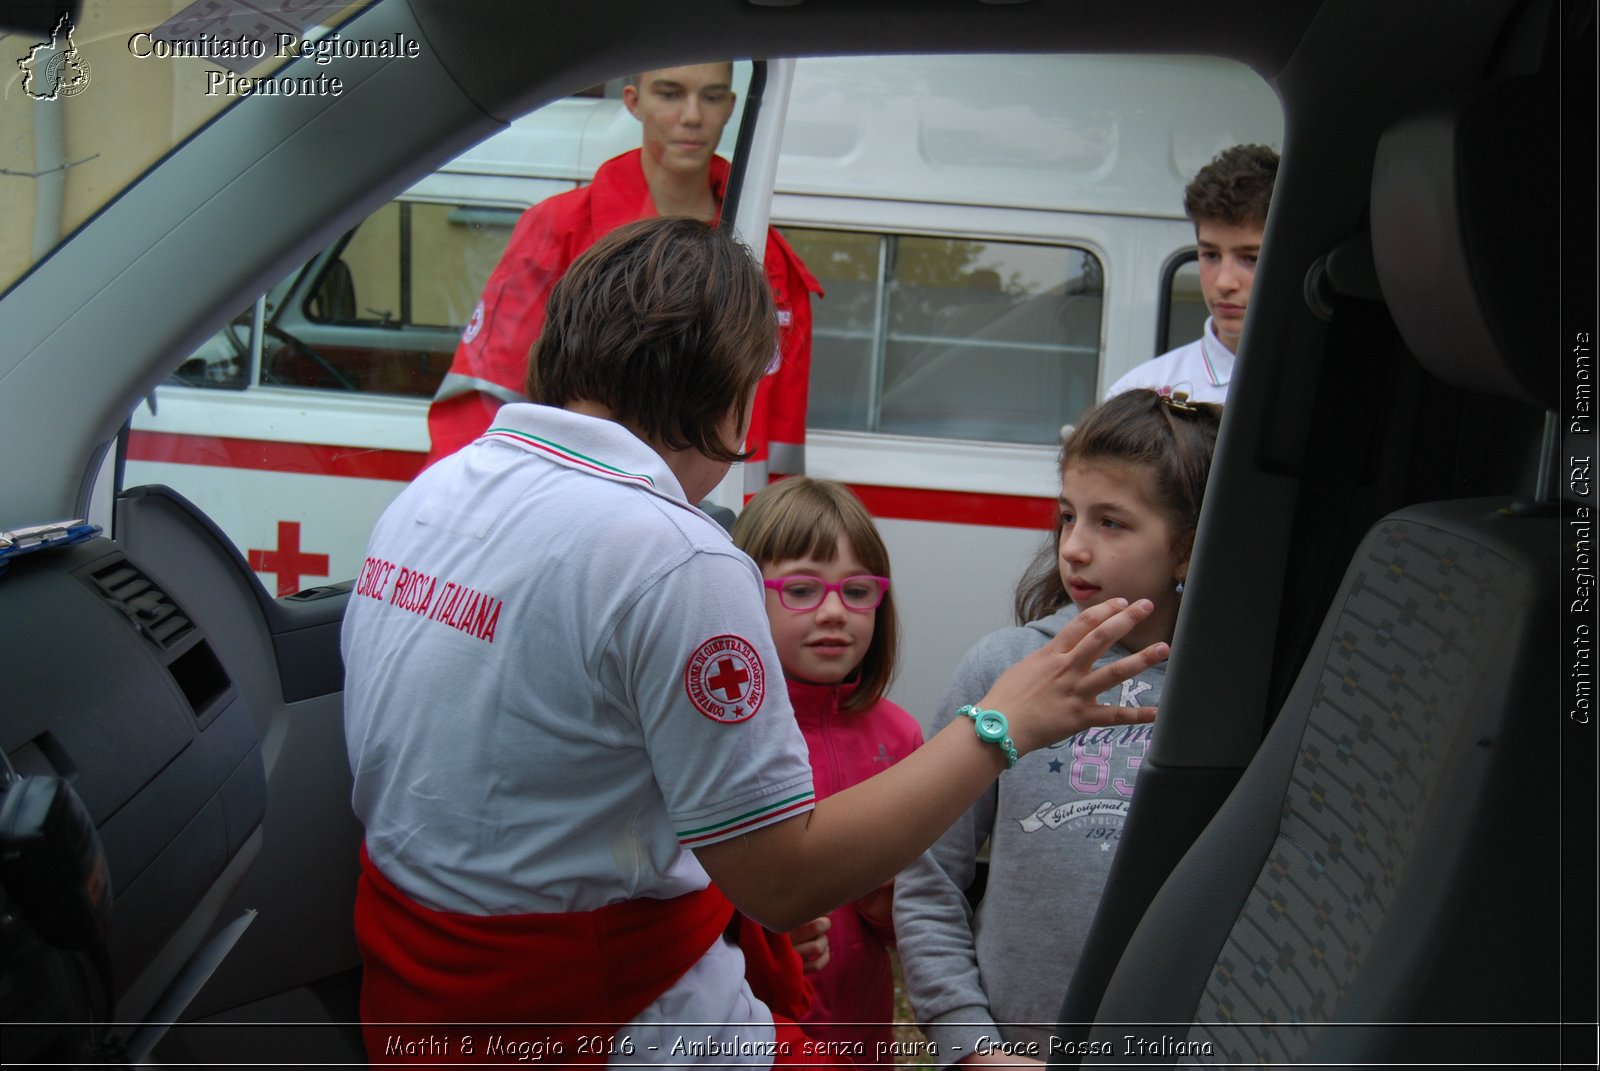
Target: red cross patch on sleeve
x: 726, y: 680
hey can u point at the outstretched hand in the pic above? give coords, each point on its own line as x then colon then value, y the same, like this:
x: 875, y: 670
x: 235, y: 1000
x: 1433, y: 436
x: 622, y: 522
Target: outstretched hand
x: 1054, y: 691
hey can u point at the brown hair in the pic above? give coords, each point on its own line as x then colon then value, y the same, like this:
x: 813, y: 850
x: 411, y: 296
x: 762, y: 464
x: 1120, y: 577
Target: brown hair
x: 1138, y: 427
x: 1235, y: 188
x: 668, y: 323
x: 636, y: 79
x: 800, y: 517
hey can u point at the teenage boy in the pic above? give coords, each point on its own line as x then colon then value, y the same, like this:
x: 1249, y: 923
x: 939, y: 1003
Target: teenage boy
x: 675, y: 172
x: 565, y: 716
x: 1227, y: 202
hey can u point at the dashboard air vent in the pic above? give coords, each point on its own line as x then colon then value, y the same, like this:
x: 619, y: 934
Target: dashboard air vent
x: 146, y: 605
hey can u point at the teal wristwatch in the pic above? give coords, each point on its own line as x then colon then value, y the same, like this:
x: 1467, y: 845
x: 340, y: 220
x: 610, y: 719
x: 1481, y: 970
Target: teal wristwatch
x: 992, y: 728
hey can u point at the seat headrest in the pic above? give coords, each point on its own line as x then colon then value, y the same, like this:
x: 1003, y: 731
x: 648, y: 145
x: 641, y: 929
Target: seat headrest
x: 1465, y: 239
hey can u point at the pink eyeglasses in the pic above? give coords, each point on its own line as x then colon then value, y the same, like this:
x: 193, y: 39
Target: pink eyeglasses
x: 802, y: 593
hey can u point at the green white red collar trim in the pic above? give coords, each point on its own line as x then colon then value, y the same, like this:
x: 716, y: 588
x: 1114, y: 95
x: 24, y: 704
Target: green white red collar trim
x: 568, y: 455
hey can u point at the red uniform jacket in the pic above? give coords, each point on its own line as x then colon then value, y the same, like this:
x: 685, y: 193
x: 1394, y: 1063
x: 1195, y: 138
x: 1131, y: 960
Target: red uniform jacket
x: 491, y: 361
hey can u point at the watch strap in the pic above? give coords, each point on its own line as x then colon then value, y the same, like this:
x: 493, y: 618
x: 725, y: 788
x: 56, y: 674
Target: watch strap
x: 992, y: 728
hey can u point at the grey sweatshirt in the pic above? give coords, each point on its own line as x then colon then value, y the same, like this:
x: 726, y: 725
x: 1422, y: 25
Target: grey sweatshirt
x: 1052, y: 824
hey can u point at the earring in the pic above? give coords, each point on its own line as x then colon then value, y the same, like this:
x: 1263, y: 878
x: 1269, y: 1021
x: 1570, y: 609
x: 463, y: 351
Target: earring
x: 1178, y: 587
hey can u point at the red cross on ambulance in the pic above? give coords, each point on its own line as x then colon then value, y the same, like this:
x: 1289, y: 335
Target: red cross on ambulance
x: 288, y: 561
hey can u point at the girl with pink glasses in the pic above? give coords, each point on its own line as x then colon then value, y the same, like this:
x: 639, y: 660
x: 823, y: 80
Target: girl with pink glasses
x: 826, y: 572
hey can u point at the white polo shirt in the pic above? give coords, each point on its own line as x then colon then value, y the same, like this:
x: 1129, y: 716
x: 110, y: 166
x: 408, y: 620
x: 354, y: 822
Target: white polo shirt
x: 1203, y: 368
x: 559, y: 677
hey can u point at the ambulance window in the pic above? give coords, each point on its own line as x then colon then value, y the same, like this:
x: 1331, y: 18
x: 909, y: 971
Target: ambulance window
x: 412, y: 264
x: 845, y: 325
x: 1183, y: 309
x: 380, y: 312
x: 951, y: 338
x: 222, y: 361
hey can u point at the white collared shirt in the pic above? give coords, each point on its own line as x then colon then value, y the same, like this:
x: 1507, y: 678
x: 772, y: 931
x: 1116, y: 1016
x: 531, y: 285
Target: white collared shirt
x: 1203, y: 368
x: 559, y: 678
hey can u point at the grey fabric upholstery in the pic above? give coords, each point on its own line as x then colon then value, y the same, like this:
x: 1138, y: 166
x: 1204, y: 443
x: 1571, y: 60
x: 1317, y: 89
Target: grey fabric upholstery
x: 1356, y: 844
x: 1423, y: 622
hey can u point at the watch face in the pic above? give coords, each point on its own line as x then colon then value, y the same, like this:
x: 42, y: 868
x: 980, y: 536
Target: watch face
x: 991, y: 725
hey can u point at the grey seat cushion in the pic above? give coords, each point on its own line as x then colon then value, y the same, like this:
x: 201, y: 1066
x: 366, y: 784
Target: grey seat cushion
x: 1322, y: 891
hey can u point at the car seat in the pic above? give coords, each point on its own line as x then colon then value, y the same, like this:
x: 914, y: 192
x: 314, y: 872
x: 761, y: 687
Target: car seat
x: 1380, y: 885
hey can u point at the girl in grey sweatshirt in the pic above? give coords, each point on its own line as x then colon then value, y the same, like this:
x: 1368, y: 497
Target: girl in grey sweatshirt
x: 988, y: 982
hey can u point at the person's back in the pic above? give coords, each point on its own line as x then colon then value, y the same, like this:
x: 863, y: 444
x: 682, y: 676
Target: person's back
x: 1227, y: 202
x: 524, y: 797
x: 473, y: 618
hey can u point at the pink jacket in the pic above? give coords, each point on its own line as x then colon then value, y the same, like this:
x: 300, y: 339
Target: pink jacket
x: 857, y: 985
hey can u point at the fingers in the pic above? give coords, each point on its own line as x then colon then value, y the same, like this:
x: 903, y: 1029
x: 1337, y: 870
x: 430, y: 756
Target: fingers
x: 1053, y: 691
x: 810, y: 940
x: 1086, y: 621
x: 814, y: 954
x: 1108, y: 677
x: 1071, y: 654
x: 1109, y: 717
x: 808, y: 930
x: 1114, y: 673
x: 1094, y: 631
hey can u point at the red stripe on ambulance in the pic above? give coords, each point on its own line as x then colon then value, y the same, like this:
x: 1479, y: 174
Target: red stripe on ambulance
x: 313, y: 459
x: 884, y: 503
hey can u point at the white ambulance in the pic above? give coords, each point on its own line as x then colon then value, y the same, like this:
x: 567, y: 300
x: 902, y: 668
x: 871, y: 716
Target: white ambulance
x: 999, y: 239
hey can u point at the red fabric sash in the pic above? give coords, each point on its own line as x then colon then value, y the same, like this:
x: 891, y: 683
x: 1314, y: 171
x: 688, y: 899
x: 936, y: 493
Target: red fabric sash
x: 773, y: 970
x: 425, y: 969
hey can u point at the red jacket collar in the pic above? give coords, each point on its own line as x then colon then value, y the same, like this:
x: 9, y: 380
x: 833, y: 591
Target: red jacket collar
x: 815, y: 705
x: 619, y: 193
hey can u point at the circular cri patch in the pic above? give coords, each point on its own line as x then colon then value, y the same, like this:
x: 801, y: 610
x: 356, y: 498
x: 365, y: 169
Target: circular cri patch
x: 725, y: 680
x: 474, y: 325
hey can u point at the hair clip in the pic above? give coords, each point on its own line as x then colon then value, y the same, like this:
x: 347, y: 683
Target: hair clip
x: 1179, y: 400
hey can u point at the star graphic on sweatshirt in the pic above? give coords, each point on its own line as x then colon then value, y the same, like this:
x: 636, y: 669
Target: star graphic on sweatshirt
x: 1055, y: 765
